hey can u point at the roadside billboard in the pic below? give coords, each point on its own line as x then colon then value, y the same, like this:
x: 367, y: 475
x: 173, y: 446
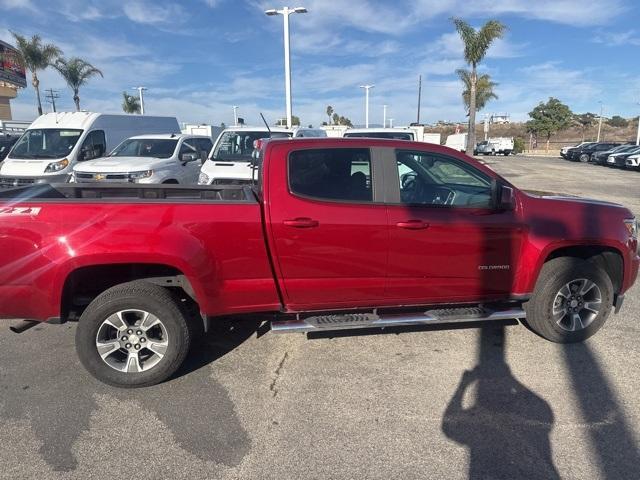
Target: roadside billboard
x: 10, y: 70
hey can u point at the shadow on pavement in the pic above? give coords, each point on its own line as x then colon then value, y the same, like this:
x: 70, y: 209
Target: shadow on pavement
x: 615, y: 450
x: 42, y: 382
x: 507, y: 426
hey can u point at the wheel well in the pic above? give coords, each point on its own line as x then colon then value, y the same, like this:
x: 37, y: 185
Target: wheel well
x: 86, y: 283
x: 609, y: 259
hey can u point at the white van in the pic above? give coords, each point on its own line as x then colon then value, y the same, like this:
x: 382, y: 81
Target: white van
x: 55, y: 142
x: 411, y: 133
x: 161, y: 158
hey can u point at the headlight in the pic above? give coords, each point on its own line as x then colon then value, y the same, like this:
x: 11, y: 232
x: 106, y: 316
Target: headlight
x: 57, y: 166
x: 203, y: 179
x: 141, y: 174
x: 632, y: 227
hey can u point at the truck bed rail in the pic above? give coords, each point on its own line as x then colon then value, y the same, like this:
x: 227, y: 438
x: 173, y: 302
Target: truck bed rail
x: 130, y: 192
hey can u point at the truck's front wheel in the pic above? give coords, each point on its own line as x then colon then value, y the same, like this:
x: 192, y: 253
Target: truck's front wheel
x: 133, y: 335
x: 572, y: 300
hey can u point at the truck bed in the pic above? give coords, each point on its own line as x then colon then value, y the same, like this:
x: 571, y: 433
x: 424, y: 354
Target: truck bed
x: 129, y: 192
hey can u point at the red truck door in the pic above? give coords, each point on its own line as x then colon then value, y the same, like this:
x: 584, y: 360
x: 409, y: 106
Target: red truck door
x: 329, y: 235
x: 447, y: 242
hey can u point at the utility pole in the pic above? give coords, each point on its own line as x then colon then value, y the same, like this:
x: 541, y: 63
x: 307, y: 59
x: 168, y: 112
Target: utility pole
x: 419, y: 96
x: 599, y: 122
x: 366, y: 103
x: 235, y: 115
x: 51, y: 95
x: 391, y: 123
x: 638, y: 135
x: 285, y: 12
x: 141, y: 97
x: 384, y: 116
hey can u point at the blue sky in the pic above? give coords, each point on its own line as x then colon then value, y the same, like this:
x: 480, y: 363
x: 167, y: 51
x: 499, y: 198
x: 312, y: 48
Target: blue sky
x: 200, y: 57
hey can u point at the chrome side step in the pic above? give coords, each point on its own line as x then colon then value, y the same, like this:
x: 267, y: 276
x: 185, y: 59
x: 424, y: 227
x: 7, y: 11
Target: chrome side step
x: 374, y: 320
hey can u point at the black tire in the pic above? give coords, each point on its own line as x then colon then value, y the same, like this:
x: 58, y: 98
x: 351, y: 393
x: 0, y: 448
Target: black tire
x: 554, y: 275
x: 584, y: 157
x: 138, y: 295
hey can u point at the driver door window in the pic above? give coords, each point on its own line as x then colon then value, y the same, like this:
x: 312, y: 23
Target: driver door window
x: 428, y: 179
x: 94, y: 145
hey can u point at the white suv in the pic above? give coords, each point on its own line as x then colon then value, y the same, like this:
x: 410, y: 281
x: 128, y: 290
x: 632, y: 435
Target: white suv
x: 168, y: 158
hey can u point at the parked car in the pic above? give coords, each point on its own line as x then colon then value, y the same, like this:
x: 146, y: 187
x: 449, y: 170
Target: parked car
x: 619, y: 160
x: 495, y: 146
x: 600, y: 158
x: 583, y: 153
x: 149, y: 159
x: 55, y: 142
x: 338, y: 234
x: 565, y: 150
x: 6, y: 142
x: 633, y: 161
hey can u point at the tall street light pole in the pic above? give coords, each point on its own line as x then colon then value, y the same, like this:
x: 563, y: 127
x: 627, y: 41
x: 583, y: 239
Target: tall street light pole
x: 599, y: 122
x: 285, y: 12
x: 638, y: 135
x: 366, y: 103
x: 141, y: 97
x: 384, y: 116
x: 235, y: 115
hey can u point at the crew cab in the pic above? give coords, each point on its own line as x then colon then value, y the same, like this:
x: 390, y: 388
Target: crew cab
x: 163, y: 158
x: 335, y: 234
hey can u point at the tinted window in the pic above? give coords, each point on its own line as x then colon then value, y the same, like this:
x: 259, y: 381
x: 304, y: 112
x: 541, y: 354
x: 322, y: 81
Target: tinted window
x: 429, y: 179
x: 332, y: 174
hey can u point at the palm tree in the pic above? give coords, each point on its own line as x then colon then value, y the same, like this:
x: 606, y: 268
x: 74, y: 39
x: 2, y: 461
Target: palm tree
x: 130, y: 104
x: 35, y: 56
x: 329, y: 113
x: 76, y: 72
x: 484, y: 89
x: 476, y: 44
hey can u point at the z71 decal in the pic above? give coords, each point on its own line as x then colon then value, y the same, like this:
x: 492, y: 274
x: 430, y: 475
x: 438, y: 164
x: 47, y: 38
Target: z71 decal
x: 20, y: 210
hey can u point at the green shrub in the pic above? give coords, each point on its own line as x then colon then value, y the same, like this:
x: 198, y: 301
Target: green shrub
x: 518, y: 145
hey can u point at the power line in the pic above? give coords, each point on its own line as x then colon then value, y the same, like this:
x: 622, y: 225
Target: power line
x: 50, y: 96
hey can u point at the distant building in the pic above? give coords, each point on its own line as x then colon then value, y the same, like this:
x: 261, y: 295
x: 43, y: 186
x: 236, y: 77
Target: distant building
x: 12, y: 77
x: 500, y: 118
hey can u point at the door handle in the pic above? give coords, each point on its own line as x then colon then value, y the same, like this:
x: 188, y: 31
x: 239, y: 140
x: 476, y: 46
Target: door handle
x: 301, y: 223
x: 413, y: 225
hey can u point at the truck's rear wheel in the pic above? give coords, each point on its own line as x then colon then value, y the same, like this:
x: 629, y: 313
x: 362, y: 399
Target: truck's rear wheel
x: 133, y: 335
x: 572, y: 300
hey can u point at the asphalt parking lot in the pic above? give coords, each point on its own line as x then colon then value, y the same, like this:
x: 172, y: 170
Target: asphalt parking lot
x: 488, y: 401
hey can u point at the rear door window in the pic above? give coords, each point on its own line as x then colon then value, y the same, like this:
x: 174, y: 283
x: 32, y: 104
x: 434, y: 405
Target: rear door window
x: 337, y: 174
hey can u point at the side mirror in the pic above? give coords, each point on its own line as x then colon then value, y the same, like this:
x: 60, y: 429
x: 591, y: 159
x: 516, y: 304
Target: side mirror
x: 188, y: 157
x: 506, y: 198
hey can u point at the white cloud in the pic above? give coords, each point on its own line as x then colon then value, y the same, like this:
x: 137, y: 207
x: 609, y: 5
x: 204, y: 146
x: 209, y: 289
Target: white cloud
x: 151, y: 13
x: 616, y: 39
x: 570, y: 12
x: 17, y: 4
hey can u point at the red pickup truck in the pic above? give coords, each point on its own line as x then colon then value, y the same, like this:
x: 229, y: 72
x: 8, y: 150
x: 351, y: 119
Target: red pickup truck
x: 335, y: 234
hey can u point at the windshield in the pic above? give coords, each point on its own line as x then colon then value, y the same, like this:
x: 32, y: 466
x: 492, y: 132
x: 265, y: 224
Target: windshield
x: 238, y: 146
x: 392, y: 135
x: 46, y: 143
x: 145, y: 147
